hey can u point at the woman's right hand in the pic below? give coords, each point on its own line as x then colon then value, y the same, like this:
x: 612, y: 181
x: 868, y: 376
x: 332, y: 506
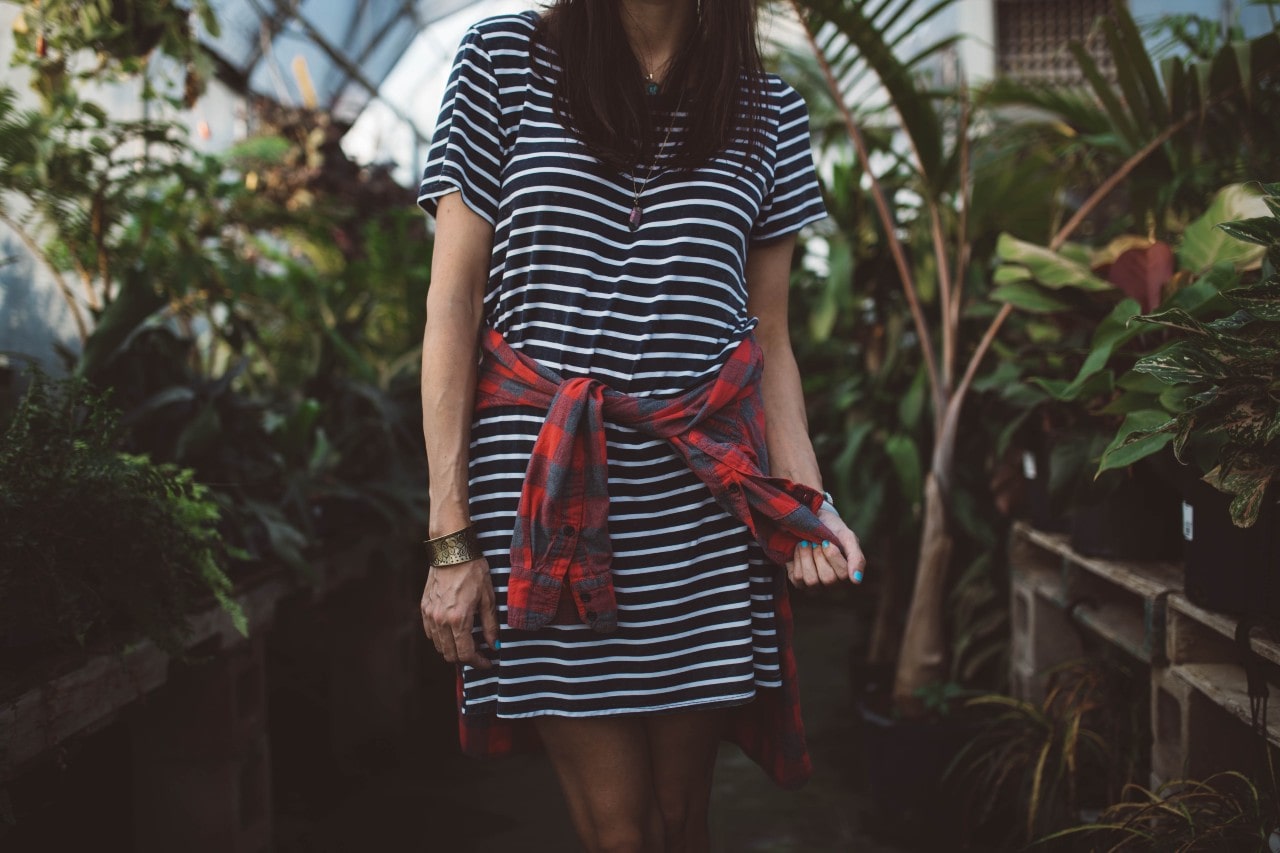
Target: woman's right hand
x: 450, y: 600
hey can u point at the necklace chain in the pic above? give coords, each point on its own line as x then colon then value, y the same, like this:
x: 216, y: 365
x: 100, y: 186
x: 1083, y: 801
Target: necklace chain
x: 637, y: 213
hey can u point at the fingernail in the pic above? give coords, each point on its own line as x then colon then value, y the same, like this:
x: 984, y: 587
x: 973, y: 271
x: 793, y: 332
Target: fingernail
x: 497, y: 644
x: 857, y: 577
x: 826, y: 544
x: 804, y: 543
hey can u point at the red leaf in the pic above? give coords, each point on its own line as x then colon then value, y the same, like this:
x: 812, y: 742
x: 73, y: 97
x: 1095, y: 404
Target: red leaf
x: 1143, y: 273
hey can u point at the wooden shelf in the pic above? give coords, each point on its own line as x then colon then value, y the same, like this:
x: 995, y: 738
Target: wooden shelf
x: 1120, y: 602
x: 1189, y: 625
x: 1224, y: 684
x: 79, y: 694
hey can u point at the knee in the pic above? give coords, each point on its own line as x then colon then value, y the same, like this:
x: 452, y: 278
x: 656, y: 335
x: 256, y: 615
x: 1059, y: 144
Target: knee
x: 618, y: 839
x: 684, y: 826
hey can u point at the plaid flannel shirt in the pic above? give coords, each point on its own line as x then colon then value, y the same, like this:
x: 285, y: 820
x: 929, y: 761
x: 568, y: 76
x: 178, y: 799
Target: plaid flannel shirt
x: 560, y: 545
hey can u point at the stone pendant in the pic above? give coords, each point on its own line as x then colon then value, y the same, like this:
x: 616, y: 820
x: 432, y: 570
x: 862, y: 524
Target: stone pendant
x: 636, y: 217
x: 652, y: 88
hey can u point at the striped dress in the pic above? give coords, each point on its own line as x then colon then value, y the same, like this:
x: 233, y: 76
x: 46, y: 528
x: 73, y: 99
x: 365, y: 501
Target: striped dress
x: 648, y: 312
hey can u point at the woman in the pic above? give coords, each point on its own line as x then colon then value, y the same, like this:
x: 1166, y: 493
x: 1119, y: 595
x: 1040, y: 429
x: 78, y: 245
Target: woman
x: 617, y: 186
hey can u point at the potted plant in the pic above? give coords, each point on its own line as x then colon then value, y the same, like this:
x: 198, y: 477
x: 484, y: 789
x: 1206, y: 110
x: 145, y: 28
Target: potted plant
x: 1131, y: 513
x: 1223, y: 813
x: 1227, y: 370
x: 1036, y: 767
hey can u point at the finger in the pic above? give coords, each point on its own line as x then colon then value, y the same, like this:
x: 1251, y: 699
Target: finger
x: 489, y: 617
x: 831, y: 566
x: 444, y: 642
x: 807, y: 568
x: 465, y: 644
x: 856, y: 559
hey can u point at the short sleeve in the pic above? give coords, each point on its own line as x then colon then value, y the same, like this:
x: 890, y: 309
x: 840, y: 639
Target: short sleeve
x: 794, y: 198
x: 466, y: 150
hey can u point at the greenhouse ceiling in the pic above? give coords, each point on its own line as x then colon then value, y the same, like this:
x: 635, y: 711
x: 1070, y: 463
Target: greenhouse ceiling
x: 330, y: 54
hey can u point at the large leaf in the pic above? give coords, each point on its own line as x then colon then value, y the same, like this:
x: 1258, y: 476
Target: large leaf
x: 1114, y: 330
x: 1260, y: 300
x: 1048, y: 267
x: 1142, y: 273
x: 1028, y: 297
x: 1204, y: 244
x: 1142, y: 434
x: 855, y: 34
x: 1182, y: 362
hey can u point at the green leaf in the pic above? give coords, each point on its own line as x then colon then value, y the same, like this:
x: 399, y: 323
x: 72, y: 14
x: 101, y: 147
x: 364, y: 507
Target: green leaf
x: 1260, y: 300
x: 905, y: 456
x: 1030, y: 298
x: 1261, y: 230
x: 1248, y: 484
x: 1114, y: 330
x: 1011, y: 274
x: 1182, y: 361
x: 1204, y: 244
x: 1142, y: 434
x: 1047, y: 267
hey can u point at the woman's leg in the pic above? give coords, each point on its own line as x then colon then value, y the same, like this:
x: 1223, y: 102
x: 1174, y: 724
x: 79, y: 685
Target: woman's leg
x: 683, y: 750
x: 604, y: 768
x: 638, y: 784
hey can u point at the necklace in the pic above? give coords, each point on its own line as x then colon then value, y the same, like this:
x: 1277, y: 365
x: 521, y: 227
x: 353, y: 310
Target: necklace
x: 637, y: 213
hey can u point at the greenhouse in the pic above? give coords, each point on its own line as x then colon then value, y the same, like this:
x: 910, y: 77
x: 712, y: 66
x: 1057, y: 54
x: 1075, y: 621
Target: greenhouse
x: 641, y: 425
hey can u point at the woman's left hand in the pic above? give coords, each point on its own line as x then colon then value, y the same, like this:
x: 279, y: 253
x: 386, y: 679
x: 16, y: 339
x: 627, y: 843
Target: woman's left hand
x: 828, y: 563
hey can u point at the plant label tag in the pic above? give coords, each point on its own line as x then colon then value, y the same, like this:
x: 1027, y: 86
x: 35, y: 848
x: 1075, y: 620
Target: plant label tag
x: 1188, y: 522
x: 1028, y: 464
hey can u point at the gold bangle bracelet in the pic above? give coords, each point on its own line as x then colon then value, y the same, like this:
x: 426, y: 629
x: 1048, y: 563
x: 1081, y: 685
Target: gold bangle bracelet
x: 453, y: 548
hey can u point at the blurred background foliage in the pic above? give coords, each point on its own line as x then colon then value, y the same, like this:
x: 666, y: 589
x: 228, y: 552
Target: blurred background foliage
x: 253, y: 316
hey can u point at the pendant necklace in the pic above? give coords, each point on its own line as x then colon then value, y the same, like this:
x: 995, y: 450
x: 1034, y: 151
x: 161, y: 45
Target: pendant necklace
x: 637, y: 213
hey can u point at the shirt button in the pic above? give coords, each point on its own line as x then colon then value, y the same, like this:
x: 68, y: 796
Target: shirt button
x: 567, y: 530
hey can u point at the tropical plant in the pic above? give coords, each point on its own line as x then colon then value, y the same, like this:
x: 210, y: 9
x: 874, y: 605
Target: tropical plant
x: 1222, y: 814
x: 848, y: 38
x: 254, y: 312
x: 1226, y: 373
x: 92, y: 538
x: 1043, y: 762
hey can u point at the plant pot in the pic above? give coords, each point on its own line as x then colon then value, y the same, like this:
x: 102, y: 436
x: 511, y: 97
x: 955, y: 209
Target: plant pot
x: 1230, y: 569
x: 1135, y: 519
x: 905, y: 760
x: 1039, y: 508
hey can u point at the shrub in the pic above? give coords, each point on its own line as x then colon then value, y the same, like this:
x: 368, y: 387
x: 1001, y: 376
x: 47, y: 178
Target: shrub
x: 92, y: 538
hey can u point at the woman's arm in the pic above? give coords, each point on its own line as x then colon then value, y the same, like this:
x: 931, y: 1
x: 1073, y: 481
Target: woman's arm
x: 787, y: 425
x: 459, y: 271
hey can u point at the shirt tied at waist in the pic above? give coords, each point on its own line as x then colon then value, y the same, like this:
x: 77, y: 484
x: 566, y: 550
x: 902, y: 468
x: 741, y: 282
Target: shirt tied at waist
x: 561, y: 532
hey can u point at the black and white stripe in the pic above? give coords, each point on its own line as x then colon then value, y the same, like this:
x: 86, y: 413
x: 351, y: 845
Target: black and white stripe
x: 648, y: 312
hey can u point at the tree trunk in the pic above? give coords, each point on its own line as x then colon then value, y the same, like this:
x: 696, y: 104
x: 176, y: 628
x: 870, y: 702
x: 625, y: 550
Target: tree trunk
x: 924, y: 650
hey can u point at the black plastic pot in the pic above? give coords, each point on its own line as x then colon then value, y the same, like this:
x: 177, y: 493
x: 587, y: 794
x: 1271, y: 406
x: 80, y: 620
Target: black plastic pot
x: 1134, y: 517
x: 1039, y: 508
x: 906, y: 759
x: 1230, y: 569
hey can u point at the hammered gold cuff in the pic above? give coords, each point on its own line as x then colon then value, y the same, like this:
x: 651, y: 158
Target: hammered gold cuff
x: 454, y: 548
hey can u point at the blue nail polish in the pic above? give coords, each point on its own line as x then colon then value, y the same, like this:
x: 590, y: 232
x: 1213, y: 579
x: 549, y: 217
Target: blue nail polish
x: 497, y: 644
x: 826, y: 544
x: 804, y: 544
x: 857, y: 577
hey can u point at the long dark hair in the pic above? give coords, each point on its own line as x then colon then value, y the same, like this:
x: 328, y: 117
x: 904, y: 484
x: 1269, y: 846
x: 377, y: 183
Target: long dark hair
x: 600, y: 91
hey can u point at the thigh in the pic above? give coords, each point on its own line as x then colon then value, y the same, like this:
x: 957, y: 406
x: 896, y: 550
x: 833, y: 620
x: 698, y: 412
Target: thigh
x: 683, y: 747
x: 604, y: 768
